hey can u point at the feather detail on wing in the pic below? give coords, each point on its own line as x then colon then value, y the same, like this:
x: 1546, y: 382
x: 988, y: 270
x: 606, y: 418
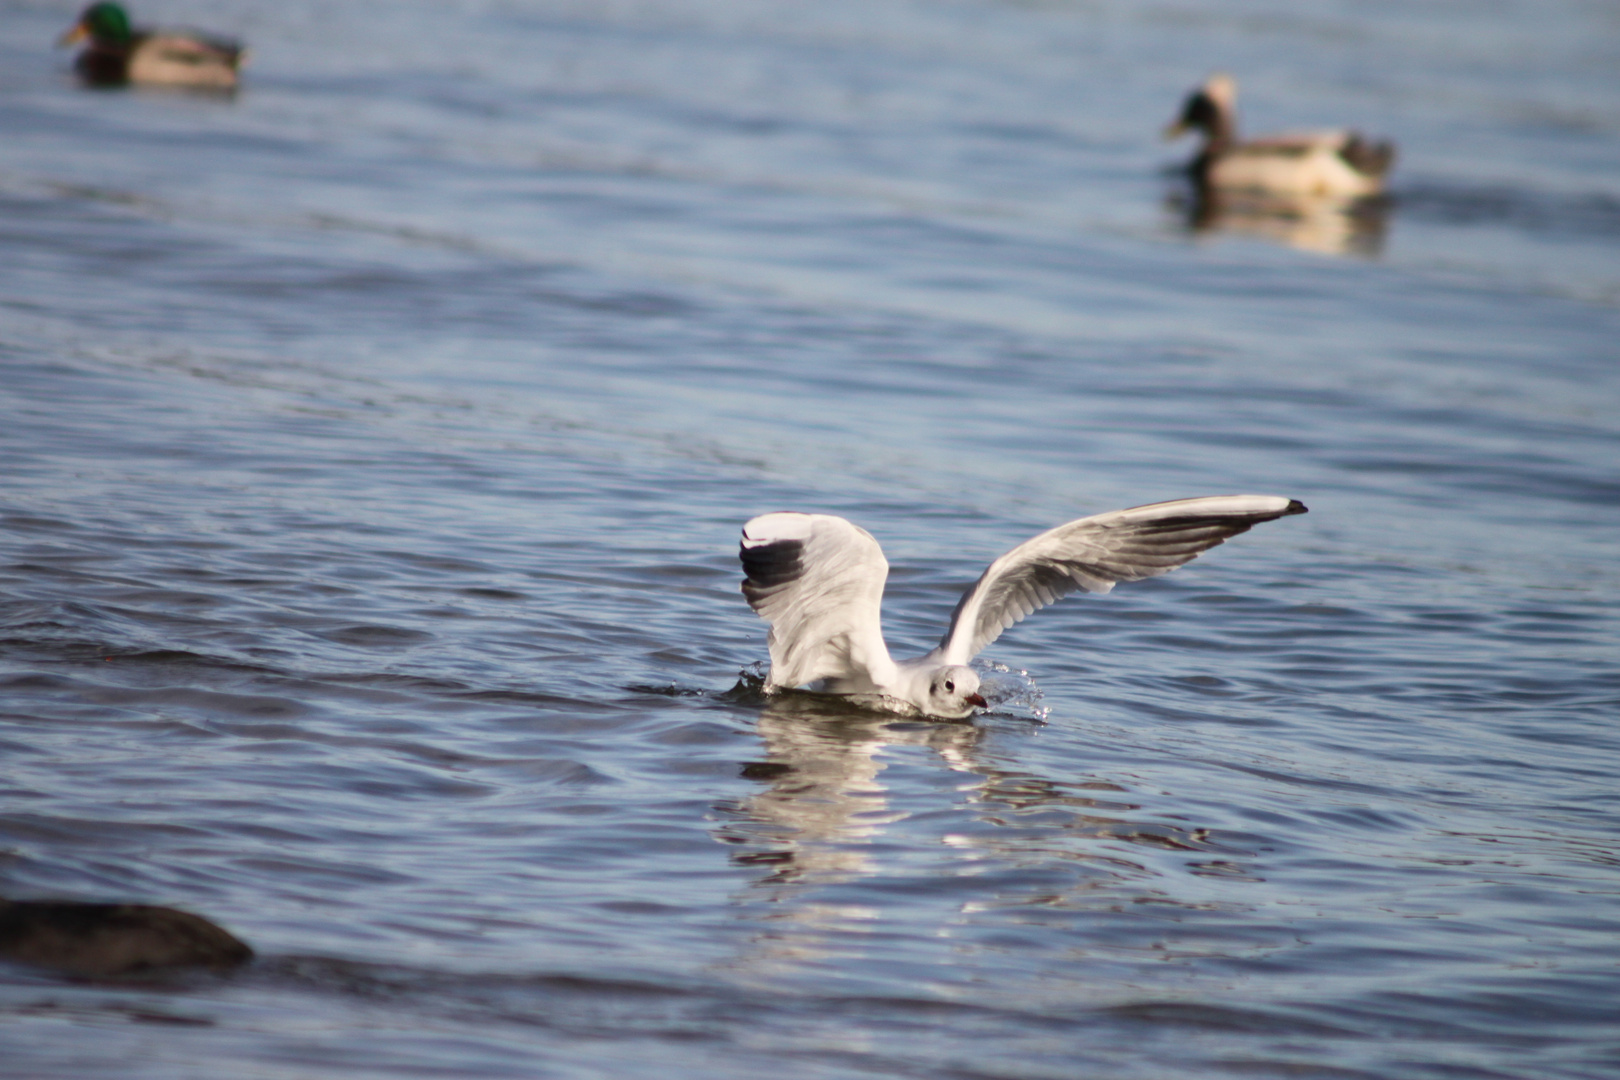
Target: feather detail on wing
x: 818, y: 580
x: 1093, y: 554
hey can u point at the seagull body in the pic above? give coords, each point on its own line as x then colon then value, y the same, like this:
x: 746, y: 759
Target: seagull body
x: 818, y: 580
x: 1315, y: 163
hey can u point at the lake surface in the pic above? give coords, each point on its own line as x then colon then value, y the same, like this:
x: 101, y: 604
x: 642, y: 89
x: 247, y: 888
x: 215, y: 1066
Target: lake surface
x: 374, y: 446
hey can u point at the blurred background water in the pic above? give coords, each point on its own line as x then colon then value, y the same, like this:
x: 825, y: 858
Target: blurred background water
x: 374, y: 444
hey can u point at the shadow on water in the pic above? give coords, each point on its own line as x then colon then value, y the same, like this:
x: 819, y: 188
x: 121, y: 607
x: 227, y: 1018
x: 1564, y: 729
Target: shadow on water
x: 1327, y: 225
x: 1576, y: 215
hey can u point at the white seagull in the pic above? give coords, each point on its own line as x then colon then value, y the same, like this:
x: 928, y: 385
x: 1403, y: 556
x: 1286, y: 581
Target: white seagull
x: 818, y: 580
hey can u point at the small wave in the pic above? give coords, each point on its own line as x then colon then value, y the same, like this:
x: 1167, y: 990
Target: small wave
x: 1584, y: 215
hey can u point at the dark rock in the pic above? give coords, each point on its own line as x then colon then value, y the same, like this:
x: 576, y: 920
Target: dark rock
x: 113, y: 939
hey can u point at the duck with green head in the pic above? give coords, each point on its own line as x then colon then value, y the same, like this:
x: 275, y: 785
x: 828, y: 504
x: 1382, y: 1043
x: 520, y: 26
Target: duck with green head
x: 118, y: 53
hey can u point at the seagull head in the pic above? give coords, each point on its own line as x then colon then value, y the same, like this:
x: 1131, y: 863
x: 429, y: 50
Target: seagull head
x: 953, y: 692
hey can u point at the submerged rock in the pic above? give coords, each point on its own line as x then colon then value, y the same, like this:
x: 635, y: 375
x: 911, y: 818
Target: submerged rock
x: 113, y: 939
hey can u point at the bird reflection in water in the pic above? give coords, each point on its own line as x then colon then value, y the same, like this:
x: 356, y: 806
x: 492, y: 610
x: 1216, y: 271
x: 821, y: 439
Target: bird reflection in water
x: 1325, y: 224
x: 818, y: 819
x: 823, y: 800
x: 834, y: 844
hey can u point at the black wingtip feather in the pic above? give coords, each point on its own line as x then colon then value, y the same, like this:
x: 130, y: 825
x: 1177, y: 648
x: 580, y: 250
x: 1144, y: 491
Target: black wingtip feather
x: 1294, y: 507
x: 770, y: 566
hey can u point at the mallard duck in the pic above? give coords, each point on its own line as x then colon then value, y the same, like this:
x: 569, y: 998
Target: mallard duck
x: 1337, y: 163
x: 118, y: 54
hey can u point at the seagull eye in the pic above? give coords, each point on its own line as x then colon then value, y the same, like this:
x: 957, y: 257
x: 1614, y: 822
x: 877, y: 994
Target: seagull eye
x: 950, y: 687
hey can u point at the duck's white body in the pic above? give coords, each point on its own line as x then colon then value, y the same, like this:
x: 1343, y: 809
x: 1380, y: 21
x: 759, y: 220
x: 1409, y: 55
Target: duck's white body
x: 1308, y: 164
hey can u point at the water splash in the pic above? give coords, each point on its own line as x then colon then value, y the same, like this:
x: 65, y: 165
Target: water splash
x: 1008, y: 690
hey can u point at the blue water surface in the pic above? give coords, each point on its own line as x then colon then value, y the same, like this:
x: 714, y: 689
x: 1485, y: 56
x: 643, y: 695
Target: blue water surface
x: 374, y: 444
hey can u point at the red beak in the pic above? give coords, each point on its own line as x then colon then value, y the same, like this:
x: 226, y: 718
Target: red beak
x: 976, y: 699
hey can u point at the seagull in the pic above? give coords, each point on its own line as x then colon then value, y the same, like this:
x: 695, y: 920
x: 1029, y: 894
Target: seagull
x: 818, y: 580
x: 1343, y: 164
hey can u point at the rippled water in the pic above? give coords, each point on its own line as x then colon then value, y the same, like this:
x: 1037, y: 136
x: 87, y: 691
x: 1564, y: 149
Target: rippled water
x: 375, y: 444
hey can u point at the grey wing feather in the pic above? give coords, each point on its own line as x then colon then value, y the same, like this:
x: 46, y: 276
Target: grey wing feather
x: 818, y: 580
x: 1093, y: 554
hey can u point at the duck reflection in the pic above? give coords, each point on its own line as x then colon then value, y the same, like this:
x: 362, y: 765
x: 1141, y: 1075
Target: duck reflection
x: 1326, y: 224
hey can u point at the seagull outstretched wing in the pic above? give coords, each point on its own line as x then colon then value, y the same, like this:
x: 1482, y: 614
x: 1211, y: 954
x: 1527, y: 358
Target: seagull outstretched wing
x: 818, y: 580
x: 1093, y: 554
